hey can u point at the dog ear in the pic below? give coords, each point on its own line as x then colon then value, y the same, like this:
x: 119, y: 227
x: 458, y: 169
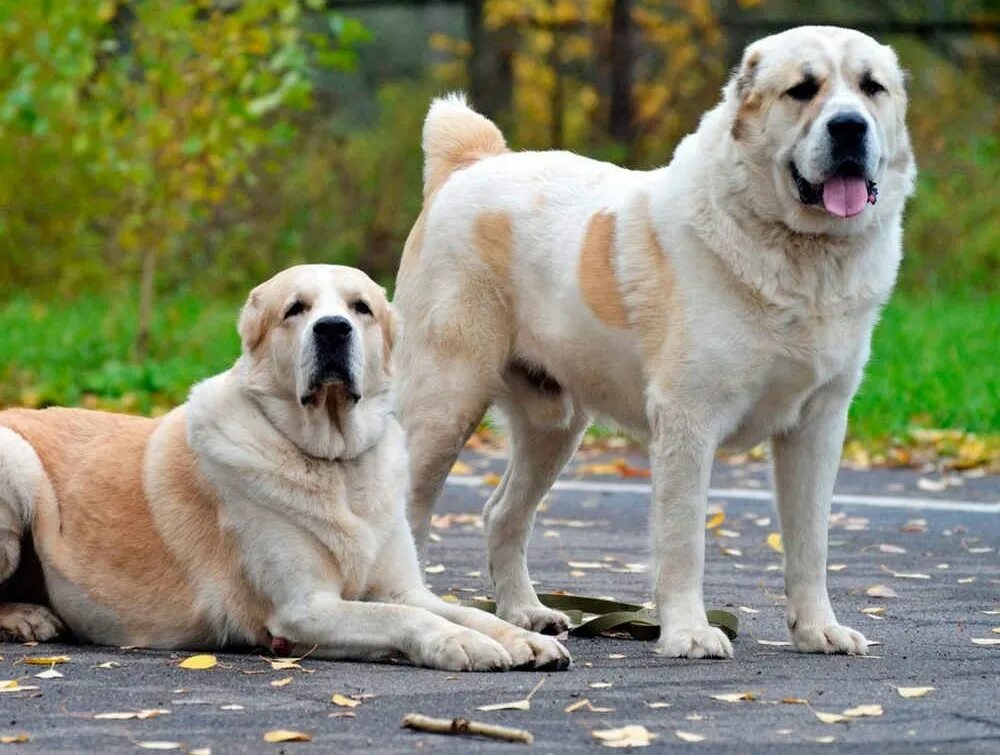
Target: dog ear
x: 746, y: 75
x: 252, y: 325
x: 740, y: 89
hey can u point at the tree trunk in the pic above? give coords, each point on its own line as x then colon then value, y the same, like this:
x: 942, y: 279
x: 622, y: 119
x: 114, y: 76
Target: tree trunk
x: 620, y: 116
x: 147, y: 293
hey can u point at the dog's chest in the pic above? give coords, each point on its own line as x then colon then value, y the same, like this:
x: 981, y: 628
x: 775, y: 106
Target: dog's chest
x: 357, y: 513
x: 785, y: 363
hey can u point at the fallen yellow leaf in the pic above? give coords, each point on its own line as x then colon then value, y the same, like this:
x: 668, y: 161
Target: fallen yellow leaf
x: 861, y: 711
x: 686, y: 736
x: 515, y: 705
x: 283, y: 664
x: 199, y: 662
x: 344, y: 702
x: 881, y: 591
x: 460, y: 467
x: 286, y: 735
x: 831, y: 718
x: 281, y: 682
x: 492, y: 479
x: 909, y: 692
x: 46, y: 660
x: 794, y: 701
x: 734, y: 697
x: 160, y: 745
x: 774, y: 541
x: 987, y: 641
x: 435, y: 569
x: 131, y: 714
x: 627, y: 736
x: 14, y: 685
x: 13, y: 739
x: 715, y: 520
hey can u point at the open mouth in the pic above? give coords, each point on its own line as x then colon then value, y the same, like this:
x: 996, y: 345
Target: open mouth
x: 844, y: 194
x: 326, y: 385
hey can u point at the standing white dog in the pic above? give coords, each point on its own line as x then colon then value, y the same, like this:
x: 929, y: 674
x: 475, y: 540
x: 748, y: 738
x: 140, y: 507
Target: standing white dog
x: 724, y: 299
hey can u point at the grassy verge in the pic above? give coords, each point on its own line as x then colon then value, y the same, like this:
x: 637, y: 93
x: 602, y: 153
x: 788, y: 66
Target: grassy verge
x: 934, y: 362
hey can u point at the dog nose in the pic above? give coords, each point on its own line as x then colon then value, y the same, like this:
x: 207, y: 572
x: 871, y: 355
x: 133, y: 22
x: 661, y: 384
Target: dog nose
x: 332, y: 329
x: 847, y: 129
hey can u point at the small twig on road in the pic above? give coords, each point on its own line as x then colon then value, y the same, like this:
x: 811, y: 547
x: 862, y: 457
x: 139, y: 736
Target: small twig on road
x: 463, y: 726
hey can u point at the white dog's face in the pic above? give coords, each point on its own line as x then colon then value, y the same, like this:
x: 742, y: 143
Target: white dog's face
x: 820, y: 114
x: 318, y: 333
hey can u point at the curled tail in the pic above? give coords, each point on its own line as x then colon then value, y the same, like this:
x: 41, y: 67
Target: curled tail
x: 455, y: 135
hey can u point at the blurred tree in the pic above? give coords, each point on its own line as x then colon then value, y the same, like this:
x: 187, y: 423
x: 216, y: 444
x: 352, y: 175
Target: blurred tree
x: 166, y: 102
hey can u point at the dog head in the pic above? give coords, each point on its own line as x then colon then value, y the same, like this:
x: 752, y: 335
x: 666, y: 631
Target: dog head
x: 320, y: 335
x: 817, y: 117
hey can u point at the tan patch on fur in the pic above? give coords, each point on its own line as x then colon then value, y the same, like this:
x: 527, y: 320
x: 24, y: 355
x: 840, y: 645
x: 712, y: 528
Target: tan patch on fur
x: 493, y: 236
x: 596, y: 271
x: 653, y: 302
x: 97, y: 528
x: 186, y: 513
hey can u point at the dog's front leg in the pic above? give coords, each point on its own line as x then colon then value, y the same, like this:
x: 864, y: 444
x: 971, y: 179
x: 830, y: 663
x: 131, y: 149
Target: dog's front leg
x: 805, y: 468
x: 681, y: 453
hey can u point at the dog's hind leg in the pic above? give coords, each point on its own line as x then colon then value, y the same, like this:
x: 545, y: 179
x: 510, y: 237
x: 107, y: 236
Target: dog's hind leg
x: 442, y: 404
x: 21, y: 478
x: 538, y: 453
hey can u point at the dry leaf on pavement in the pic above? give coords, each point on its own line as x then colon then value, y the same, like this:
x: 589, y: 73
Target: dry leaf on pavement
x: 46, y: 660
x: 343, y: 701
x: 910, y: 692
x: 862, y: 711
x: 686, y: 736
x: 199, y: 662
x: 286, y: 735
x: 627, y: 736
x: 774, y: 541
x: 734, y: 697
x: 881, y: 591
x: 831, y: 718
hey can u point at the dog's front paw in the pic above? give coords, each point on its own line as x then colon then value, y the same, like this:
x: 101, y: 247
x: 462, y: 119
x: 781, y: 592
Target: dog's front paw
x: 535, y: 618
x: 832, y: 638
x: 697, y: 642
x: 26, y: 622
x: 530, y: 650
x: 462, y: 650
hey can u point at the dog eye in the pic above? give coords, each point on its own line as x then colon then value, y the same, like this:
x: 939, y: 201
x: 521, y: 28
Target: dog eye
x: 297, y: 308
x: 804, y: 91
x: 361, y: 307
x: 871, y: 87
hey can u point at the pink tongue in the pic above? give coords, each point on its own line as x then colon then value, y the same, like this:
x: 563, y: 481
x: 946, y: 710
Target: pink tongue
x: 845, y: 197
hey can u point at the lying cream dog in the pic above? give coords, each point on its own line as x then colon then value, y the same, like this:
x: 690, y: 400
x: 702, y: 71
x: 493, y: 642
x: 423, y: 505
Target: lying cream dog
x: 269, y: 509
x: 727, y: 298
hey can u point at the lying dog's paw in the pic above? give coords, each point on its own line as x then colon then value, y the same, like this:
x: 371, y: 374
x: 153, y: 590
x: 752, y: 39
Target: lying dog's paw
x: 535, y: 618
x: 530, y: 650
x: 462, y: 650
x: 832, y: 638
x: 25, y: 622
x: 700, y: 642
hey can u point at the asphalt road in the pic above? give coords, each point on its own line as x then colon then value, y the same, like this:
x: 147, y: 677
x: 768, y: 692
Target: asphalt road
x: 926, y: 635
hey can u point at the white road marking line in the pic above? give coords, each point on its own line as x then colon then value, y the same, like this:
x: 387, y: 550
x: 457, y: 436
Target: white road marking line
x: 760, y: 496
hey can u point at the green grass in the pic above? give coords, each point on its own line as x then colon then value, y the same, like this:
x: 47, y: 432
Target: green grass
x: 934, y: 361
